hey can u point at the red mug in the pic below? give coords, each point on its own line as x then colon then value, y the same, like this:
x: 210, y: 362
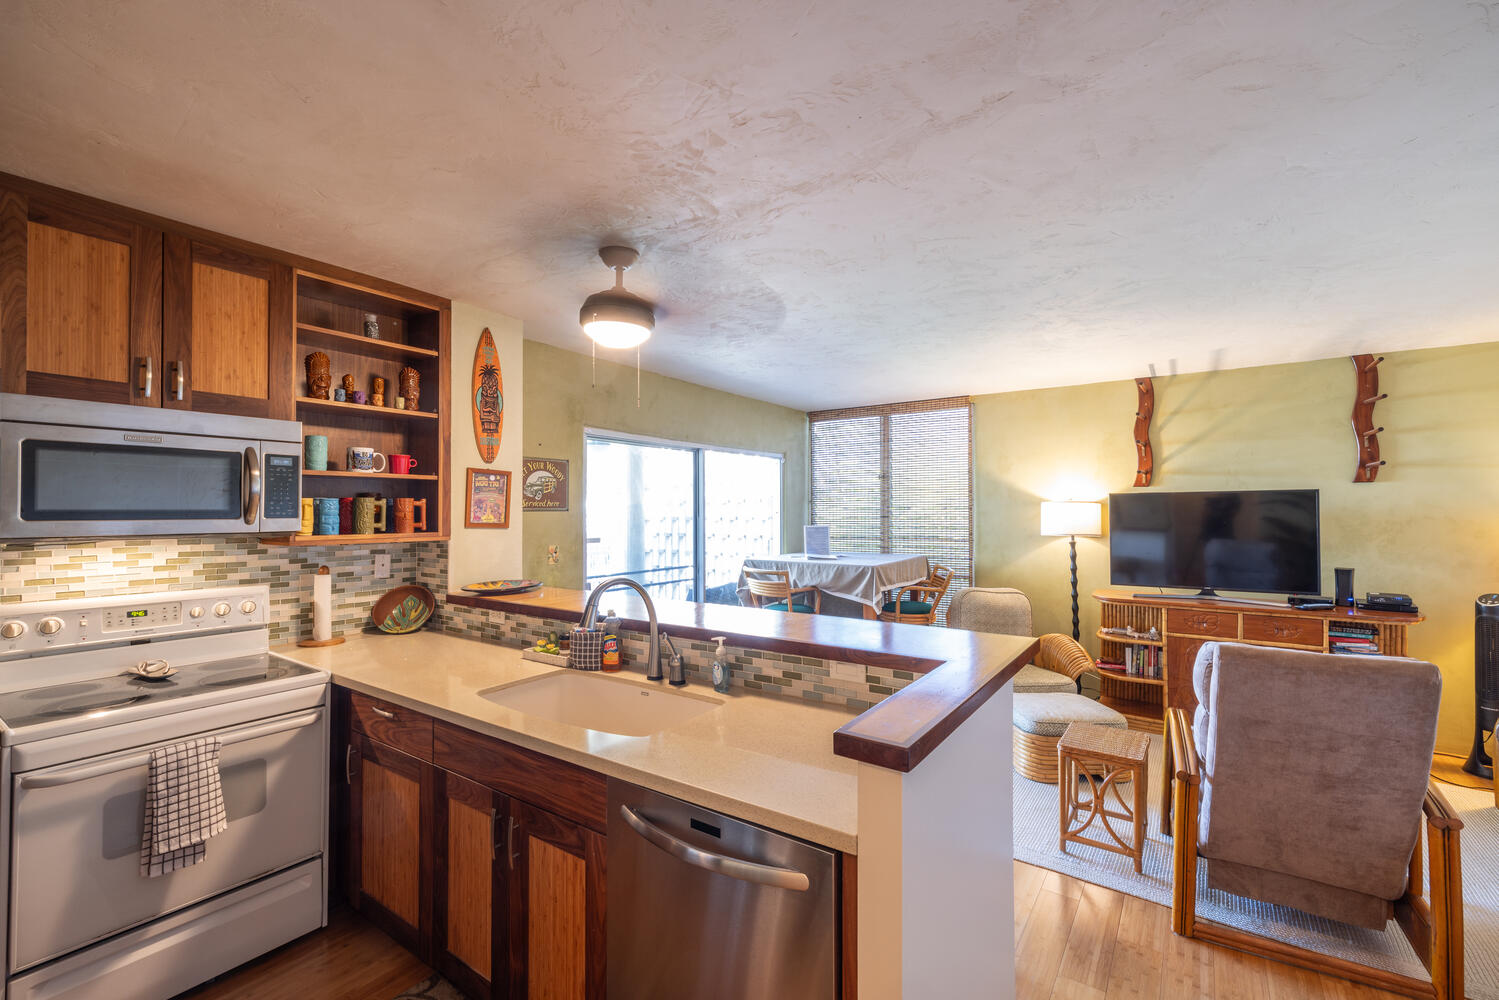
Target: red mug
x: 402, y: 465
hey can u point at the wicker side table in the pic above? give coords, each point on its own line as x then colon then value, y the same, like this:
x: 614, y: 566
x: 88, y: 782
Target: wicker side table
x: 1102, y: 759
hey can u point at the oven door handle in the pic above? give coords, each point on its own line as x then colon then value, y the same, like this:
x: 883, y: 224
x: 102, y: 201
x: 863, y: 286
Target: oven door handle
x: 52, y: 779
x: 252, y: 484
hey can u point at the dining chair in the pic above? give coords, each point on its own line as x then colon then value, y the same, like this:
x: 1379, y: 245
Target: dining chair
x: 775, y: 585
x: 921, y: 609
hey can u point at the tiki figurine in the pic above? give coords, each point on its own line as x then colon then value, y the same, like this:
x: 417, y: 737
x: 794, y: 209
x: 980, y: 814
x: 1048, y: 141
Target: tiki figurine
x: 377, y: 393
x: 411, y: 386
x: 318, y: 378
x: 349, y: 386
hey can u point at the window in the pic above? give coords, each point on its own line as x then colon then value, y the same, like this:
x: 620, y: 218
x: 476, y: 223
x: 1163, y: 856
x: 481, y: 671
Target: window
x: 898, y: 479
x: 680, y: 519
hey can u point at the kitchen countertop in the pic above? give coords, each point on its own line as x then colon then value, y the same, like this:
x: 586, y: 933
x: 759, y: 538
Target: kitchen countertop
x: 760, y: 758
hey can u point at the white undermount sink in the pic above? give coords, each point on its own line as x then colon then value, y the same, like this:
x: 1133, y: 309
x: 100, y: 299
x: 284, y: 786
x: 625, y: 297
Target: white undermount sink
x: 604, y: 704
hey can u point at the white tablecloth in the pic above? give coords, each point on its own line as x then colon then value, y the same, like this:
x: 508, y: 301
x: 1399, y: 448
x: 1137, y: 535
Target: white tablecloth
x: 858, y: 576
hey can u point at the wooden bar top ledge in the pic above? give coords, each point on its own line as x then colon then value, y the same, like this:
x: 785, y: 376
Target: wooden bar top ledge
x: 960, y: 670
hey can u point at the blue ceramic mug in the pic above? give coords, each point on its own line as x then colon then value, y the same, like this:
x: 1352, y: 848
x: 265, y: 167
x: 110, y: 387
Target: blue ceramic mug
x: 325, y: 515
x: 315, y: 453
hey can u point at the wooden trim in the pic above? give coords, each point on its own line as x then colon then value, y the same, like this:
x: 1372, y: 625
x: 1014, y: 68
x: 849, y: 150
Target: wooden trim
x: 557, y: 786
x: 915, y: 406
x: 58, y: 202
x: 1183, y: 602
x: 12, y: 291
x: 146, y: 304
x: 848, y: 927
x: 1228, y: 937
x: 901, y: 731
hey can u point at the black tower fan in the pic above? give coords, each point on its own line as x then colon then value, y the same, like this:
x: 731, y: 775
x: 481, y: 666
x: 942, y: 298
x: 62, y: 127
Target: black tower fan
x: 1486, y: 680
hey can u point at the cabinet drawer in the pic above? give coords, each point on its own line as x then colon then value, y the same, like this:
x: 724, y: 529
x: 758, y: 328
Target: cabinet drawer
x: 1283, y: 629
x: 1185, y: 621
x: 556, y: 786
x: 391, y: 724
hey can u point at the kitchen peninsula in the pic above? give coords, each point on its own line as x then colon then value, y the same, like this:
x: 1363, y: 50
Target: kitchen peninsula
x: 912, y: 792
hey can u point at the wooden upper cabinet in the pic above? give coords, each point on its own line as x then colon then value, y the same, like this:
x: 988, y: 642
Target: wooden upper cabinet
x: 80, y: 302
x: 227, y: 341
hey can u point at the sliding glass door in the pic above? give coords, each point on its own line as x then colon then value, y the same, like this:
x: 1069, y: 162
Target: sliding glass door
x: 680, y: 519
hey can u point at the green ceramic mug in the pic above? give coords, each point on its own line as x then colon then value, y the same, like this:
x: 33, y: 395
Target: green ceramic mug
x: 369, y: 514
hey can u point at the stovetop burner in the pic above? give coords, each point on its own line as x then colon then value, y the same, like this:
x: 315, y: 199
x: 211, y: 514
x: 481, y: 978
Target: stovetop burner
x: 107, y: 694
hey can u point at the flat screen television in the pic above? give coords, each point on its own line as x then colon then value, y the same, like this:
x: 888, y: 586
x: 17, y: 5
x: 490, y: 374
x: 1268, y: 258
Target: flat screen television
x: 1260, y: 541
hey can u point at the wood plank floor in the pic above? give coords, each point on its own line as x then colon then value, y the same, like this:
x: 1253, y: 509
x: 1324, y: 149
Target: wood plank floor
x: 1073, y: 941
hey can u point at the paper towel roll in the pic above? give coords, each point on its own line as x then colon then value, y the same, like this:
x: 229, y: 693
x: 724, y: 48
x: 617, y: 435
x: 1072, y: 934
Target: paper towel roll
x: 322, y: 606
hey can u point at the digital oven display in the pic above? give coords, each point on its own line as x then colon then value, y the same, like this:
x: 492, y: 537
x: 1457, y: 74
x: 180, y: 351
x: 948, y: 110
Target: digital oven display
x: 139, y: 613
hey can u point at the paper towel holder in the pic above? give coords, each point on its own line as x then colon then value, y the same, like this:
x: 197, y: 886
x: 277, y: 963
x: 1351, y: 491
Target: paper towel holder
x: 322, y: 571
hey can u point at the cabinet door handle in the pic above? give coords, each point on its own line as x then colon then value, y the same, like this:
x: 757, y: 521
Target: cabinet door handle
x: 350, y: 755
x: 382, y: 712
x: 510, y: 842
x: 147, y: 375
x: 179, y: 379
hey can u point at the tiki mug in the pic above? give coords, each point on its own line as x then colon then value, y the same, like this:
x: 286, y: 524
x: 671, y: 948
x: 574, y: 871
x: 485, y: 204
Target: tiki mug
x: 318, y: 378
x: 372, y: 326
x: 325, y: 517
x: 306, y: 528
x: 406, y: 510
x: 348, y: 381
x: 338, y: 395
x: 369, y: 514
x: 315, y: 452
x: 377, y: 392
x: 345, y: 515
x: 411, y: 389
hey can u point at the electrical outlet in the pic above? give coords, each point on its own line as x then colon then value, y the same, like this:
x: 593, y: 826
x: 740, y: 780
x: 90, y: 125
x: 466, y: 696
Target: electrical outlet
x: 845, y: 671
x: 382, y: 565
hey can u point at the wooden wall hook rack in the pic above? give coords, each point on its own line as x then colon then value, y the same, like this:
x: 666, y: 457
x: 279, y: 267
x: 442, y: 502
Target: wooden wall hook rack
x: 1144, y: 460
x: 1365, y: 434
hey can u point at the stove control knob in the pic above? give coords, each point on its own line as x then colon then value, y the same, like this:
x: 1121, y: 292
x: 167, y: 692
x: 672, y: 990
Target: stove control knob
x: 49, y: 626
x: 196, y: 612
x: 248, y: 607
x: 221, y: 609
x: 12, y: 630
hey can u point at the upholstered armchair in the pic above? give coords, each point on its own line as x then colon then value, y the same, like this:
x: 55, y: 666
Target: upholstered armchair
x: 1061, y: 667
x: 1303, y: 780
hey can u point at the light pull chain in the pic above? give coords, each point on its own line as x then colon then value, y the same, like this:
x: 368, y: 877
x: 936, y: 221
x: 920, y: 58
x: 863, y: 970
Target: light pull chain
x: 637, y: 378
x: 593, y: 380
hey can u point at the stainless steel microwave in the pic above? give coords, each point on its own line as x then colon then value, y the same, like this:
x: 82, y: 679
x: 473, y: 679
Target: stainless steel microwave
x: 78, y: 469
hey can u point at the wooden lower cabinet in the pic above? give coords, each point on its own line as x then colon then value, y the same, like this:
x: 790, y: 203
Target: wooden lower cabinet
x: 556, y: 906
x: 389, y: 820
x: 469, y: 930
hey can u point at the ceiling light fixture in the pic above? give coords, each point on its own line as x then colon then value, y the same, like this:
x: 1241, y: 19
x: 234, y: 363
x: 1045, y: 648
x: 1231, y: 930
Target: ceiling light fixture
x: 616, y: 318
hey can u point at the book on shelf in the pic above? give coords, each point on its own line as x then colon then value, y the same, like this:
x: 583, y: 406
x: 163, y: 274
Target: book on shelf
x: 1136, y: 661
x: 1111, y: 666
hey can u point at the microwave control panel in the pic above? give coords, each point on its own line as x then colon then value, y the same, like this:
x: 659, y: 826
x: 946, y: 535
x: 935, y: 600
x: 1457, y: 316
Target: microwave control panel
x: 283, y: 486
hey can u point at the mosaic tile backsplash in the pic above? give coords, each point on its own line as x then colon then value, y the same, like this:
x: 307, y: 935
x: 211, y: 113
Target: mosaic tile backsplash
x: 44, y: 570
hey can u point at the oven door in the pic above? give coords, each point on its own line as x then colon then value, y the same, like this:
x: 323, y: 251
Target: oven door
x: 59, y: 482
x: 76, y: 835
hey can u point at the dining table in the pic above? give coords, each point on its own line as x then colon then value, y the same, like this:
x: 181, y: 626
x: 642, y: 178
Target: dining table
x: 860, y: 577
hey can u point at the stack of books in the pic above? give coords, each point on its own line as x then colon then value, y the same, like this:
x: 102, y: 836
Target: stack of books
x: 1352, y: 638
x: 1138, y: 661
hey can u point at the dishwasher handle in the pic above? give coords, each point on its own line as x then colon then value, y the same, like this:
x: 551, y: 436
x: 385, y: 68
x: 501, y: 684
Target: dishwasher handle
x: 745, y: 871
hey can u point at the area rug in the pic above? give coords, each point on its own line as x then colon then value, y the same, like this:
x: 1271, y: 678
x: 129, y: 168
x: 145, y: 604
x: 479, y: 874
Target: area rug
x: 1035, y: 810
x: 434, y: 987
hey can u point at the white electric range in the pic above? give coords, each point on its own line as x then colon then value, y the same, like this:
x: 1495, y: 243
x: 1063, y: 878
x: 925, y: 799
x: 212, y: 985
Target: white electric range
x: 76, y: 729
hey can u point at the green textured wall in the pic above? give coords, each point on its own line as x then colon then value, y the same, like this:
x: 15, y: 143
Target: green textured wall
x: 560, y: 402
x: 1427, y: 527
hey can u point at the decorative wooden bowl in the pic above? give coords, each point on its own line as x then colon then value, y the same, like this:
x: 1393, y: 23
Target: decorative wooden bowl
x: 404, y: 609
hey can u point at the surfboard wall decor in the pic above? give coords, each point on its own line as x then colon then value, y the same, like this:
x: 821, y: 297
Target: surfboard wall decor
x: 488, y: 398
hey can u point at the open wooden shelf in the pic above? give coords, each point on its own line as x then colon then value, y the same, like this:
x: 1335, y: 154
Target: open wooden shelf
x: 377, y: 539
x: 1143, y: 716
x: 1125, y: 640
x: 366, y: 410
x: 1127, y: 679
x: 365, y: 299
x: 354, y: 474
x: 309, y: 334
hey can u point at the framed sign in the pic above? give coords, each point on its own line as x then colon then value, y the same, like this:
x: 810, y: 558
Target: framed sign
x: 488, y: 499
x: 544, y: 484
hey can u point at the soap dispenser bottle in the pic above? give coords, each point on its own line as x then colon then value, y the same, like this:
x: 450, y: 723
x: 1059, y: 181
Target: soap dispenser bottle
x: 720, y: 666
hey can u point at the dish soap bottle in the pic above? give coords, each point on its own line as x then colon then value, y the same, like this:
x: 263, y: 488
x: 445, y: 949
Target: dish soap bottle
x: 611, y: 657
x: 720, y: 666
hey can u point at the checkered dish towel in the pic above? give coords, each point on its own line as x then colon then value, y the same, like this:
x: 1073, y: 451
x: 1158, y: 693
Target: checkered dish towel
x: 184, y: 805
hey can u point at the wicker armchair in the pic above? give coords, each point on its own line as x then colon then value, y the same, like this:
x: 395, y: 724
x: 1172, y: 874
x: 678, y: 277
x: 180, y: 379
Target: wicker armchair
x: 921, y: 608
x: 775, y: 585
x: 1046, y: 700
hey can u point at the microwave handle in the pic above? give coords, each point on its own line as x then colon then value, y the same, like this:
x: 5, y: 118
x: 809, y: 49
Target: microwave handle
x: 252, y: 485
x: 71, y: 775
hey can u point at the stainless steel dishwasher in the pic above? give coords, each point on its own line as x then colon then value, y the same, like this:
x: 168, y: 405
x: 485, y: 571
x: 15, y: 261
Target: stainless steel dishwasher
x: 705, y: 906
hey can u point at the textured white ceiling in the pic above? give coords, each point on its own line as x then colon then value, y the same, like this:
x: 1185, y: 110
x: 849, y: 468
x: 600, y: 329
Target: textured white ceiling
x: 836, y: 202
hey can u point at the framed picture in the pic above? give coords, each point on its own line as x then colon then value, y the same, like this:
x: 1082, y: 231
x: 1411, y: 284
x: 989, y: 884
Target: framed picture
x: 543, y: 484
x: 488, y: 499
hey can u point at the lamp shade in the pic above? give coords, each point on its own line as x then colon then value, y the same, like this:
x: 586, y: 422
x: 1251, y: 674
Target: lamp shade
x: 1071, y: 517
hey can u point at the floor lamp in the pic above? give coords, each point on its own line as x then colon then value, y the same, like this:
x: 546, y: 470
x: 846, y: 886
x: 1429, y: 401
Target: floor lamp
x: 1072, y: 518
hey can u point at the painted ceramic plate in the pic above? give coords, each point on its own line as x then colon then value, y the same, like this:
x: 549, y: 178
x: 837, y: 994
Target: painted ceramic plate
x: 404, y: 609
x: 493, y: 587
